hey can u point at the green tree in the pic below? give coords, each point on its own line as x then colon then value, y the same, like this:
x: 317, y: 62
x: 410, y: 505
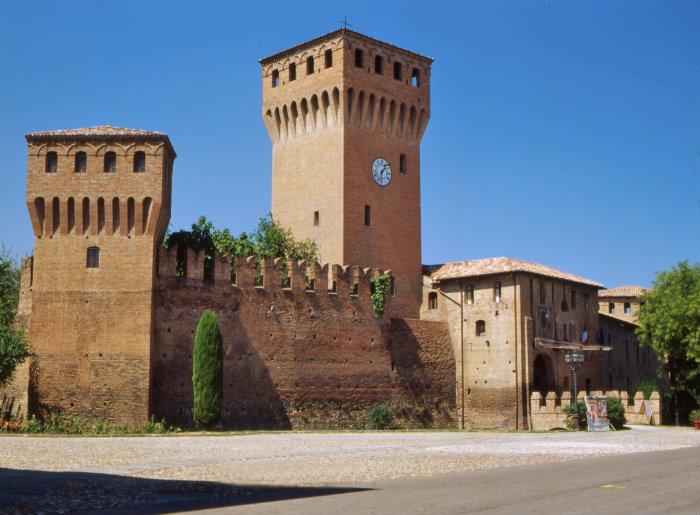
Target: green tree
x: 669, y: 322
x: 13, y: 347
x: 268, y: 239
x: 207, y: 371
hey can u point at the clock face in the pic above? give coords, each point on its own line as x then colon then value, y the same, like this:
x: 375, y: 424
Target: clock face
x: 381, y: 171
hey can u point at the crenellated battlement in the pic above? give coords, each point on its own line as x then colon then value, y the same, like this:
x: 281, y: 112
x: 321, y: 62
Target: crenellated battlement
x: 180, y: 266
x: 548, y: 412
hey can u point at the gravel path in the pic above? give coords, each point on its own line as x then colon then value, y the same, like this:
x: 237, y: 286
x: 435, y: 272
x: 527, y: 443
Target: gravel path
x: 306, y: 459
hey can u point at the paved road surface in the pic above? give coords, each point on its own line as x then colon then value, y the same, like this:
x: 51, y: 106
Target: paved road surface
x: 657, y: 482
x: 642, y: 470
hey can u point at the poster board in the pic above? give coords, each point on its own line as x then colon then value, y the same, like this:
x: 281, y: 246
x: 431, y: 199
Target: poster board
x: 597, y: 413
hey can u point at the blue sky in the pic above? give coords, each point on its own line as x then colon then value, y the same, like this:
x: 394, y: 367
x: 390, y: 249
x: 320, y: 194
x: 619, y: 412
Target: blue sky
x: 566, y: 133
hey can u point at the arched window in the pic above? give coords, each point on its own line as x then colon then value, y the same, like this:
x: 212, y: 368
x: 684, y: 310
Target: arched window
x: 309, y: 65
x: 397, y: 70
x: 51, y: 162
x: 415, y: 78
x: 358, y: 58
x: 378, y: 65
x: 110, y: 162
x: 497, y: 292
x: 80, y: 162
x: 432, y: 300
x: 139, y: 162
x: 93, y: 257
x: 480, y: 327
x: 275, y: 78
x: 292, y: 72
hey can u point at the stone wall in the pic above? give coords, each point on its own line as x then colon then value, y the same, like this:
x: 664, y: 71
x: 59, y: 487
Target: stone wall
x: 548, y: 411
x: 294, y: 357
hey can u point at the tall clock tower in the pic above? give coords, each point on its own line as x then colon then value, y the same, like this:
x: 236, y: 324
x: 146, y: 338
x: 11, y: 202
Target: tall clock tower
x: 346, y: 114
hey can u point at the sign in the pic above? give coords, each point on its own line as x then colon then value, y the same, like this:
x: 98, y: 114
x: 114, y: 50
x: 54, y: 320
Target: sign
x: 597, y: 413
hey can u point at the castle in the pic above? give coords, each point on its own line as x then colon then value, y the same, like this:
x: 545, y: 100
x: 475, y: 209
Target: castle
x: 110, y: 313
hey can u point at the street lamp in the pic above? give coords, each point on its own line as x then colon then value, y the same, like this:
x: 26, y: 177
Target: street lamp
x: 574, y: 360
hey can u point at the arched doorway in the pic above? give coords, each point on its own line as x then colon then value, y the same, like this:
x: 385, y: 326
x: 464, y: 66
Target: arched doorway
x: 543, y: 380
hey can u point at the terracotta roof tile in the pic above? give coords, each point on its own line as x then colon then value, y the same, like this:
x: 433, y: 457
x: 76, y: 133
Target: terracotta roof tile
x: 623, y: 291
x: 502, y: 265
x: 619, y: 319
x: 100, y: 130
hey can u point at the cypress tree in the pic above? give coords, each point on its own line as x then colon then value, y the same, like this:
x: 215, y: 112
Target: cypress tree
x: 207, y: 371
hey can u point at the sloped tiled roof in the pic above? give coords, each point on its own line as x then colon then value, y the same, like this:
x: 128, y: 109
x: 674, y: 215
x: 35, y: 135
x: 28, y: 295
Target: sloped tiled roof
x: 502, y: 265
x: 333, y: 34
x: 100, y: 130
x: 623, y: 291
x: 619, y: 319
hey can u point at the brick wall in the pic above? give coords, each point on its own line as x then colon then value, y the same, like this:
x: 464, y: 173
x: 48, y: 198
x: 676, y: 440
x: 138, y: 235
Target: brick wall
x: 297, y: 358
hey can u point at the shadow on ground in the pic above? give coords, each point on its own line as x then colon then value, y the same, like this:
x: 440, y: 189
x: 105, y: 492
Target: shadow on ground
x: 31, y: 491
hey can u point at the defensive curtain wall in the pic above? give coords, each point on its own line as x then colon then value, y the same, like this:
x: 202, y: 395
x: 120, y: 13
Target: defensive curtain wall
x: 302, y: 347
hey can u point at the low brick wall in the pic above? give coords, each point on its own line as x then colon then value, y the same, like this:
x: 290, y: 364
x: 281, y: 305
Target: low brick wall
x: 548, y: 412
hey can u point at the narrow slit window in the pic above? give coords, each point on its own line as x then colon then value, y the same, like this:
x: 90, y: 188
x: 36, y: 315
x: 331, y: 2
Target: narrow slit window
x: 80, y: 162
x: 51, y: 162
x: 275, y: 78
x: 480, y: 328
x: 415, y: 78
x: 139, y: 162
x: 432, y: 300
x: 378, y: 65
x: 329, y: 58
x: 292, y: 72
x: 403, y: 164
x: 586, y: 301
x: 573, y: 299
x: 93, y: 257
x: 397, y: 70
x: 543, y: 294
x: 110, y: 162
x: 309, y: 65
x: 497, y: 292
x: 358, y: 58
x: 316, y: 218
x: 368, y: 216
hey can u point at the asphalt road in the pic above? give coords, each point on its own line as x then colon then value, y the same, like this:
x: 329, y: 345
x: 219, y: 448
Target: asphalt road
x: 654, y: 482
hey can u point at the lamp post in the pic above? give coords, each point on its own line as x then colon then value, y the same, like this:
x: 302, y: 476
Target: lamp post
x: 574, y: 360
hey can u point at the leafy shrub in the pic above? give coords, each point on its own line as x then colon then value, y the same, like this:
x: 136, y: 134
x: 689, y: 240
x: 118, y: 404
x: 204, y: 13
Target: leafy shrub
x: 380, y: 417
x: 380, y: 292
x: 616, y: 414
x: 422, y: 415
x: 645, y: 385
x: 207, y: 371
x: 694, y: 415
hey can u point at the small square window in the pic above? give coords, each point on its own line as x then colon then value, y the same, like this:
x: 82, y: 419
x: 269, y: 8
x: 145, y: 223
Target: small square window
x: 140, y: 162
x: 80, y: 162
x: 110, y: 162
x: 93, y: 257
x: 51, y: 162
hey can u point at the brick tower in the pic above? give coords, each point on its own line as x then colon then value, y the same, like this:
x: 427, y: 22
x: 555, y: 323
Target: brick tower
x: 346, y: 114
x: 99, y: 202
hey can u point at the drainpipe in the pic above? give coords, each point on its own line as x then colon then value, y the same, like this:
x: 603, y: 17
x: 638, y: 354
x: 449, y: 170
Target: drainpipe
x: 516, y: 320
x: 461, y: 342
x: 527, y: 371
